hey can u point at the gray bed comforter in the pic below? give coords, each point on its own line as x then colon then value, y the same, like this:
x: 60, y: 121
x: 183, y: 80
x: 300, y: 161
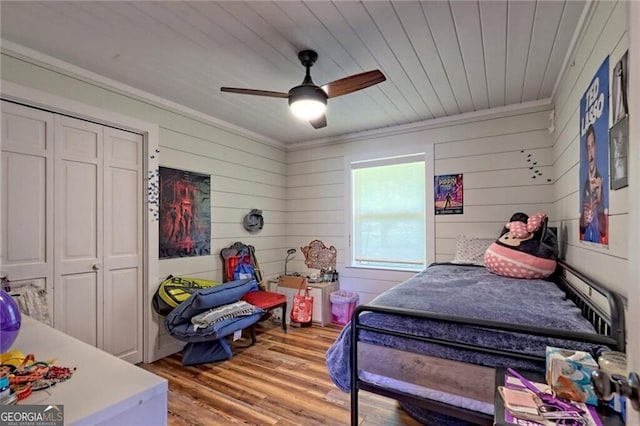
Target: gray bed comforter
x: 467, y: 291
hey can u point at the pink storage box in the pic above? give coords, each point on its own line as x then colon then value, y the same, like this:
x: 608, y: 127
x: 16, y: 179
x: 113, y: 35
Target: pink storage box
x: 342, y: 305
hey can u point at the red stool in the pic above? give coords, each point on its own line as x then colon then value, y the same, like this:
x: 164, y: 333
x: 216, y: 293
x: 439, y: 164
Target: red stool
x: 268, y: 301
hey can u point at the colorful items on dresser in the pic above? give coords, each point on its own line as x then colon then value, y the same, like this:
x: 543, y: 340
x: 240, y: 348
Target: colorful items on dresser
x: 525, y: 249
x: 23, y: 375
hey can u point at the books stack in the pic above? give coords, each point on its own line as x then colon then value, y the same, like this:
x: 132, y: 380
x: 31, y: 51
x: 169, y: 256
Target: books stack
x: 523, y: 407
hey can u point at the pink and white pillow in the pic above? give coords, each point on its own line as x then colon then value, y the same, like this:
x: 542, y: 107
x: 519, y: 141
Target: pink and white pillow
x: 470, y: 250
x: 512, y: 263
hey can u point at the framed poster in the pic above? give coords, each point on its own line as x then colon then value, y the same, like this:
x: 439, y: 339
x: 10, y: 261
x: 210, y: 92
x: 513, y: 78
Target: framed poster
x: 594, y: 159
x: 448, y: 194
x: 185, y: 213
x: 618, y: 148
x: 619, y: 106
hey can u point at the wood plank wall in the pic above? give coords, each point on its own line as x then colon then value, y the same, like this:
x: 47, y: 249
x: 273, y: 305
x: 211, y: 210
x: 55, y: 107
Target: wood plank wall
x: 490, y: 150
x: 247, y: 171
x: 606, y: 34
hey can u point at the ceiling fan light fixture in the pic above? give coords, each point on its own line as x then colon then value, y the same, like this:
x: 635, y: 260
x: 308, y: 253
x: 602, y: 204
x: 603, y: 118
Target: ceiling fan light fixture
x: 308, y: 109
x: 307, y: 102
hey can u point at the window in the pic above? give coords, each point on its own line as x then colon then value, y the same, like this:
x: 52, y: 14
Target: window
x: 388, y: 213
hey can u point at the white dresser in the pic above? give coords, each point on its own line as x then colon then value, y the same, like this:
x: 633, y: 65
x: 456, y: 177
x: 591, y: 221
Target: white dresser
x: 104, y: 390
x: 321, y: 293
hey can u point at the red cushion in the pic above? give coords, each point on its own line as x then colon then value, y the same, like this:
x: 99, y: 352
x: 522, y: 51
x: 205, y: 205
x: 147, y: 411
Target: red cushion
x: 264, y: 299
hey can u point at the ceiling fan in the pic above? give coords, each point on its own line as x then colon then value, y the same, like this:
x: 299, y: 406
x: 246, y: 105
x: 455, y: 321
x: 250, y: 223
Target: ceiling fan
x: 309, y: 101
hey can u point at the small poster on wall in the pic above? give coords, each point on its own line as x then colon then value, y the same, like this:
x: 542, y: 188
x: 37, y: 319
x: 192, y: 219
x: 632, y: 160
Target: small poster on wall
x: 619, y: 105
x: 619, y: 132
x: 185, y: 213
x: 618, y: 148
x: 594, y: 159
x: 448, y: 194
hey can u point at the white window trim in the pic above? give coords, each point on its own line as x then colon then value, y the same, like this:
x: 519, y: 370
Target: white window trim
x: 423, y: 152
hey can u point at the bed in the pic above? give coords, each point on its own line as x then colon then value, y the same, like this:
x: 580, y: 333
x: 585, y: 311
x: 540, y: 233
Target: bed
x: 437, y: 354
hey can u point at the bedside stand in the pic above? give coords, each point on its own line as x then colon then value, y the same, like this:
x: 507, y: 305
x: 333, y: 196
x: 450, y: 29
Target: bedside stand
x: 321, y: 293
x: 607, y: 417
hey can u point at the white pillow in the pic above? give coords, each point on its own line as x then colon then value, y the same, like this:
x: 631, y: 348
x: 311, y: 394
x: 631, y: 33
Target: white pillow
x: 471, y: 249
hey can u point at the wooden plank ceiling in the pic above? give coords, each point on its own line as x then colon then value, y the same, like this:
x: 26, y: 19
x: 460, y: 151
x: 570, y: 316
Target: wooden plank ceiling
x: 441, y: 58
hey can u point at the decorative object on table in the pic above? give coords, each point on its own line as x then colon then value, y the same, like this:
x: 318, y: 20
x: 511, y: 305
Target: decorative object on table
x: 253, y: 222
x: 10, y: 320
x: 319, y: 256
x: 185, y: 213
x: 290, y: 252
x: 27, y: 375
x: 329, y: 275
x: 28, y: 371
x: 618, y: 153
x: 5, y: 388
x: 448, y: 194
x: 568, y: 372
x: 302, y: 309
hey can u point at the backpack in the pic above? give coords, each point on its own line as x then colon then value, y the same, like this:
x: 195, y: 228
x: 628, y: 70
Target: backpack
x: 175, y: 290
x: 243, y: 269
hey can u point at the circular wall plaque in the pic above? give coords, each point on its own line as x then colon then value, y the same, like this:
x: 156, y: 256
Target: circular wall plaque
x: 253, y: 222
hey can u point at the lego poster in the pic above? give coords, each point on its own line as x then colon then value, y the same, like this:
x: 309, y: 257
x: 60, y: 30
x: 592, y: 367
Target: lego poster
x: 185, y: 214
x: 448, y: 194
x: 594, y: 159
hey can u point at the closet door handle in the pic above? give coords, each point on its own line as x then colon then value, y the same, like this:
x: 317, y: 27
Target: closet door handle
x: 97, y: 266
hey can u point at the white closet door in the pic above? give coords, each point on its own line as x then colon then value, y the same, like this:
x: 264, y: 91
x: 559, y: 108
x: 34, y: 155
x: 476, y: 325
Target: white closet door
x: 123, y: 244
x: 72, y: 222
x: 78, y: 229
x: 26, y: 252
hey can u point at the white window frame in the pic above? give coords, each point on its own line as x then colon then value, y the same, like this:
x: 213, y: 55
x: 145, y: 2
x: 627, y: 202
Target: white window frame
x: 359, y: 160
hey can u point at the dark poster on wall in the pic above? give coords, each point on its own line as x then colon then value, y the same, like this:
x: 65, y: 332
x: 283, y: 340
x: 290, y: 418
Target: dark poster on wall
x: 448, y: 194
x: 185, y: 213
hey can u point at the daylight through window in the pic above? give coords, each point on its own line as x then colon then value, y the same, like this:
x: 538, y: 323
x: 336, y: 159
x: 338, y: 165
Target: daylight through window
x: 388, y: 228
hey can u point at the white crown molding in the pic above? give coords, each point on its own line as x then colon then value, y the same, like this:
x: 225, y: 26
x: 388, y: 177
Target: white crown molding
x: 485, y: 114
x: 48, y: 62
x: 581, y: 28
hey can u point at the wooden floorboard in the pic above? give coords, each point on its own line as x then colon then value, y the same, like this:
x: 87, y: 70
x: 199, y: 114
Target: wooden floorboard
x: 282, y: 380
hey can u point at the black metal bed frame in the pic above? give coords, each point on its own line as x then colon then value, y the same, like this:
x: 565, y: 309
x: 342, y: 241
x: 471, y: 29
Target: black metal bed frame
x: 611, y: 327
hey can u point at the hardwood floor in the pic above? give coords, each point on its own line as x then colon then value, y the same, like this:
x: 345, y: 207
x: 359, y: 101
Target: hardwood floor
x: 281, y: 380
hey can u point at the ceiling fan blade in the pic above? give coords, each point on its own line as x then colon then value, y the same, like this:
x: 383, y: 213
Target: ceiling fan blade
x: 353, y: 83
x: 255, y: 92
x: 319, y: 122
